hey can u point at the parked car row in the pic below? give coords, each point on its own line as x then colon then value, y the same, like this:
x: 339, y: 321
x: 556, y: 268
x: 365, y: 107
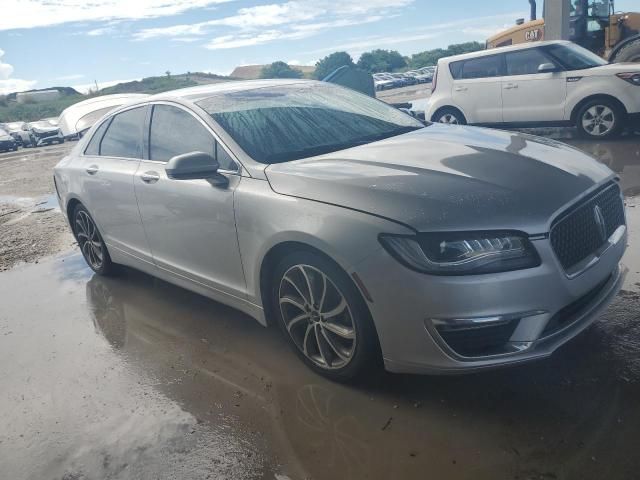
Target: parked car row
x: 72, y: 123
x: 387, y: 81
x: 32, y: 134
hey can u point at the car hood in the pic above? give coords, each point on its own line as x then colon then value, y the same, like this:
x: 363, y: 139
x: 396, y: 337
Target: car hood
x: 444, y: 177
x: 4, y: 137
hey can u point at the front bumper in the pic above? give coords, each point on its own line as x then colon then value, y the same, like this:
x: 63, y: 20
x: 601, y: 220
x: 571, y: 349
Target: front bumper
x: 405, y: 302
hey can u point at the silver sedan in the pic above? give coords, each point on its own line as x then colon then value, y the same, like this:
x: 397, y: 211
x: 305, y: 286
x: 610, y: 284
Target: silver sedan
x: 367, y: 236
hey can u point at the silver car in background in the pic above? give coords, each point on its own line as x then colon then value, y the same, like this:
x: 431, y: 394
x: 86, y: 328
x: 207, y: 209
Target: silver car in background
x: 365, y: 234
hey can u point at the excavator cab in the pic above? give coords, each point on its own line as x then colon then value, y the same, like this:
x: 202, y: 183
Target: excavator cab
x: 588, y: 23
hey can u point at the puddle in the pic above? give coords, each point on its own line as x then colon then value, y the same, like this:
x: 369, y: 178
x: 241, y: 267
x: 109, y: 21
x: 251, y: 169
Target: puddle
x: 25, y: 206
x: 130, y: 377
x: 47, y: 203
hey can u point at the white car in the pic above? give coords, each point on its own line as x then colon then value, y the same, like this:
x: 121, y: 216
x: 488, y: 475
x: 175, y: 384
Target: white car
x: 553, y: 83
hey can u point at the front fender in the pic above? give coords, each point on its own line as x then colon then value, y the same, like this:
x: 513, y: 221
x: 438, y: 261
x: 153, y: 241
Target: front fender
x: 265, y: 219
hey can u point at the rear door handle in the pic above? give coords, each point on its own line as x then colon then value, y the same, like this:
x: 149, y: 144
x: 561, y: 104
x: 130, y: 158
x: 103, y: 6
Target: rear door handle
x: 150, y: 177
x: 460, y: 89
x: 509, y: 86
x: 92, y: 170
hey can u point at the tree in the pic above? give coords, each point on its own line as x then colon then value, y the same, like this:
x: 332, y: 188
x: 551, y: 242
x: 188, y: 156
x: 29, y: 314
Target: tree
x: 280, y: 70
x: 431, y: 57
x: 330, y: 63
x: 381, y: 61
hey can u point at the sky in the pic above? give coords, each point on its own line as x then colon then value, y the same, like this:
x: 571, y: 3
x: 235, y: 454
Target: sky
x: 46, y: 43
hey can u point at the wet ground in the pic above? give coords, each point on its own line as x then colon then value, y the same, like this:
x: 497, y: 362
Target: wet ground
x: 31, y: 226
x: 130, y: 377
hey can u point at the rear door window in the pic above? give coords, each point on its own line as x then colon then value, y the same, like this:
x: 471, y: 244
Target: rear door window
x: 124, y: 135
x: 456, y: 69
x: 481, y: 67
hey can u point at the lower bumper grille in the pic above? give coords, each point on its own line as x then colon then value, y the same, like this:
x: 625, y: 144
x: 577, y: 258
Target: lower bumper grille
x: 583, y: 229
x: 479, y: 342
x: 567, y: 315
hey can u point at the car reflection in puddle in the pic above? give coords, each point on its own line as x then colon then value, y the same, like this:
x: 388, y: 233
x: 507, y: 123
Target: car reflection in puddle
x: 222, y: 367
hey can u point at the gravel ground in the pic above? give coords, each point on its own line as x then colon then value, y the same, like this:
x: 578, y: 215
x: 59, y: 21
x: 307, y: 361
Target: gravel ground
x: 31, y: 224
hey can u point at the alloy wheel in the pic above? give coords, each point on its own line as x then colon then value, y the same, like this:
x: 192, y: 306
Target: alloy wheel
x: 317, y: 317
x: 89, y: 240
x: 449, y: 118
x: 598, y: 120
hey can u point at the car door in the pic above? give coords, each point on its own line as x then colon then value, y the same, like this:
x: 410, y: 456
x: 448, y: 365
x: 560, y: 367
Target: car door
x: 190, y: 224
x: 476, y: 88
x: 110, y: 162
x: 527, y: 94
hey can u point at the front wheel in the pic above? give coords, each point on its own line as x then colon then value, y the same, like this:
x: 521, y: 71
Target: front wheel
x: 91, y: 244
x: 323, y: 316
x: 600, y: 119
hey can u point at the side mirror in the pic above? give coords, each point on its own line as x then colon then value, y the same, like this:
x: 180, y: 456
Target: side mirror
x: 192, y: 166
x: 547, y: 68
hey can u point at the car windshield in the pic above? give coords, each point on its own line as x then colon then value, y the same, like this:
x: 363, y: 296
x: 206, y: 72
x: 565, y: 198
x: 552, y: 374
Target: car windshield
x: 574, y: 57
x: 289, y: 122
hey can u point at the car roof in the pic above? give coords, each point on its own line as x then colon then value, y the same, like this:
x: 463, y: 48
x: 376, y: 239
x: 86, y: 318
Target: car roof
x: 200, y: 92
x: 498, y: 50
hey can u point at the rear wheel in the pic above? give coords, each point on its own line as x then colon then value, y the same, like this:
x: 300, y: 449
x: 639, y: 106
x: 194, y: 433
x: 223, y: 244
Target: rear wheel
x: 323, y: 316
x: 600, y: 118
x: 449, y: 115
x: 91, y: 244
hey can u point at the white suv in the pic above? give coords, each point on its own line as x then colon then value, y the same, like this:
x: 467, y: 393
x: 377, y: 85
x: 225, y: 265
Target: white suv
x: 554, y: 83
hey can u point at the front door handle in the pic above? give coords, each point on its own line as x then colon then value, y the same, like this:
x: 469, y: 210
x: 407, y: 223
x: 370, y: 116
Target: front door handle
x: 92, y: 169
x: 150, y: 177
x: 461, y: 89
x: 509, y: 86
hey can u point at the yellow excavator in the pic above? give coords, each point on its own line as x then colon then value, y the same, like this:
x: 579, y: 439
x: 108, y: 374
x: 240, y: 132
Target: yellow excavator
x: 593, y: 24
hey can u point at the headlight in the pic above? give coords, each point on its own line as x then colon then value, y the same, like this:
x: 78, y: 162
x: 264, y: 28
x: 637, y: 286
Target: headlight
x: 631, y: 77
x: 467, y: 253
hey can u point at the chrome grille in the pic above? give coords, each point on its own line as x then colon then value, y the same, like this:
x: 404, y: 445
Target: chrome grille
x: 584, y: 228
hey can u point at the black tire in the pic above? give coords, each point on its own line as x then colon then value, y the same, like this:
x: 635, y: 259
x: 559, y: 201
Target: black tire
x: 602, y: 111
x: 629, y: 53
x: 105, y: 266
x: 15, y: 148
x: 450, y: 116
x: 365, y: 356
x: 61, y: 141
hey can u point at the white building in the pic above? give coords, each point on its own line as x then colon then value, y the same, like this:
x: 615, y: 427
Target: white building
x: 34, y: 97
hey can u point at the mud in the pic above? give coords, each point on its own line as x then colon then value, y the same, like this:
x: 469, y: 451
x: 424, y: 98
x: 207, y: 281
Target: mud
x: 130, y: 377
x: 31, y: 226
